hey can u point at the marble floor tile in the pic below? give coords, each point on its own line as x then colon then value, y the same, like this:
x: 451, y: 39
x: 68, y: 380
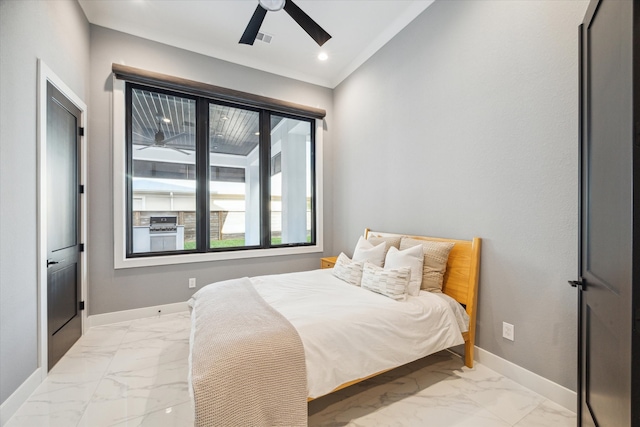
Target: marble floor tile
x: 55, y: 405
x: 174, y: 416
x: 102, y: 336
x: 88, y: 361
x: 149, y: 352
x: 505, y: 398
x: 418, y: 394
x: 134, y: 374
x: 548, y: 414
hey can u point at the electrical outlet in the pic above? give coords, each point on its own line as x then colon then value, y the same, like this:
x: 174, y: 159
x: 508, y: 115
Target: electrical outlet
x: 508, y: 331
x: 192, y: 282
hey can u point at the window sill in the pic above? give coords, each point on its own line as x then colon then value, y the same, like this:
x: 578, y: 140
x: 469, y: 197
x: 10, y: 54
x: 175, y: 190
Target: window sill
x: 213, y: 256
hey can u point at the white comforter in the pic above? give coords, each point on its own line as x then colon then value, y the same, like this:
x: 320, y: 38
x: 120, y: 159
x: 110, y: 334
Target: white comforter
x: 350, y: 333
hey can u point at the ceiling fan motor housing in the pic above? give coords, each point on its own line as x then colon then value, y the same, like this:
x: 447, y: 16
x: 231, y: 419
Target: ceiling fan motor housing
x: 159, y: 137
x: 272, y: 5
x: 309, y: 25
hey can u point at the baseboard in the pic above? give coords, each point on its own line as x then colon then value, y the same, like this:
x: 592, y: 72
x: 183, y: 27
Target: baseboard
x: 552, y: 391
x: 137, y: 313
x: 18, y: 397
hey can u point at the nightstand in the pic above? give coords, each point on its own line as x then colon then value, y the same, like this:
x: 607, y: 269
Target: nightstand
x: 328, y: 262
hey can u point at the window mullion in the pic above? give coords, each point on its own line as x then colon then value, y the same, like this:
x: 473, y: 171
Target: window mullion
x: 265, y: 178
x: 202, y: 175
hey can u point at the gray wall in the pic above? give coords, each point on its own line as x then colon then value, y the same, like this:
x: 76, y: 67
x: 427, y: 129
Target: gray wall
x: 465, y: 124
x: 58, y: 33
x: 113, y: 290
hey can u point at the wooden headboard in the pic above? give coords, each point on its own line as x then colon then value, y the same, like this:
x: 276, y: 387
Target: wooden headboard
x: 460, y: 279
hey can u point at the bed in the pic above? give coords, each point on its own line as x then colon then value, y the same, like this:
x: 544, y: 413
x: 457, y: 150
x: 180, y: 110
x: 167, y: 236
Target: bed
x: 460, y: 280
x: 312, y: 334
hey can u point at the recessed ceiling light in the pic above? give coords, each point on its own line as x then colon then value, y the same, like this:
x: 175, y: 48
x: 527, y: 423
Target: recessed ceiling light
x: 257, y: 133
x: 322, y: 56
x: 225, y: 118
x: 166, y: 120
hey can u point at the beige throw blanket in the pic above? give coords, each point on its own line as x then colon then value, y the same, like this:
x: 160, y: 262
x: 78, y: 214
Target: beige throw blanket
x: 247, y: 365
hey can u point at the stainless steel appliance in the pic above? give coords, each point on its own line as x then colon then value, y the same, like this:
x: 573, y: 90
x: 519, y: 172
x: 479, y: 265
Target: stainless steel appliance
x: 162, y: 233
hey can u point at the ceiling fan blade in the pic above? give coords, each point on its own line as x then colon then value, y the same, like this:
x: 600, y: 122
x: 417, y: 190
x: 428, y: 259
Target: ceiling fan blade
x: 180, y: 151
x: 250, y: 33
x: 171, y: 138
x: 309, y: 25
x: 143, y: 136
x: 145, y: 147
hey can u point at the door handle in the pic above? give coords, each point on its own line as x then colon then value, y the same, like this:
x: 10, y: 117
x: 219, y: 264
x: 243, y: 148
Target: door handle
x: 49, y: 262
x: 577, y: 283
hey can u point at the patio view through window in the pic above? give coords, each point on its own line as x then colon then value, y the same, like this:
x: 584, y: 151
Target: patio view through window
x: 207, y: 176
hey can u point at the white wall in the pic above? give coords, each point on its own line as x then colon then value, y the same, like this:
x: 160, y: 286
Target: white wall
x: 58, y: 33
x: 114, y: 290
x: 465, y: 124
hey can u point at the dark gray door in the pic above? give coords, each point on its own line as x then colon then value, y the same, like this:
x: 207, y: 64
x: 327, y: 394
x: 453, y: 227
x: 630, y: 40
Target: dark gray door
x: 63, y: 267
x: 609, y: 216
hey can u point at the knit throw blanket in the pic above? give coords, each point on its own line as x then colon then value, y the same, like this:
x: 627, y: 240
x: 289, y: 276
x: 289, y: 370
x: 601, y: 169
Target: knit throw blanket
x: 247, y: 365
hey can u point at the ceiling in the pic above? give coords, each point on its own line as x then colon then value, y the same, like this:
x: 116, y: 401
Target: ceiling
x: 213, y: 28
x: 160, y: 120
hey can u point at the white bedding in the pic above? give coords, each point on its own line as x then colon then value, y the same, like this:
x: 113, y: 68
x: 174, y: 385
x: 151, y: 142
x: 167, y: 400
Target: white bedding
x: 350, y: 333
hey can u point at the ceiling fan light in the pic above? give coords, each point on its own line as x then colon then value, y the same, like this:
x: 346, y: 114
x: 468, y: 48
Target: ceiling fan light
x: 272, y: 5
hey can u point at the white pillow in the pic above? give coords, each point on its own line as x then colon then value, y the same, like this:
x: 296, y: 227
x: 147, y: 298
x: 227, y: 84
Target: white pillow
x: 413, y: 258
x: 390, y: 283
x: 365, y: 251
x: 348, y: 270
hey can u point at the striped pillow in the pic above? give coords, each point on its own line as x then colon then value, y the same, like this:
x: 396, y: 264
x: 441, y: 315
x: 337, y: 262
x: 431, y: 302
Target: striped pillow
x: 392, y: 283
x: 348, y: 270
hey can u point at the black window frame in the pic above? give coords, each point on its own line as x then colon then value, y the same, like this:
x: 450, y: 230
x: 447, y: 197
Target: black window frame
x: 203, y: 171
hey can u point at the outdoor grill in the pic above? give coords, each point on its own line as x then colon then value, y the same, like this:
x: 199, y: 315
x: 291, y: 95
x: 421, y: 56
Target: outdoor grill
x: 163, y: 233
x: 163, y: 224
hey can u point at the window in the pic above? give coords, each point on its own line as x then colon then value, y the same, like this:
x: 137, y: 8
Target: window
x: 291, y: 173
x: 206, y: 176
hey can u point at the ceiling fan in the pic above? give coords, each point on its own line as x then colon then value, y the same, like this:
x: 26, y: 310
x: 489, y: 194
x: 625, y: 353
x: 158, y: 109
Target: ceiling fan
x: 159, y: 140
x: 309, y: 25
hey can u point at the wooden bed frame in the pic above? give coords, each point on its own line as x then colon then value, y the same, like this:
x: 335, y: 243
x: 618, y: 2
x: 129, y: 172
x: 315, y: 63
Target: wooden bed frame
x: 460, y: 283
